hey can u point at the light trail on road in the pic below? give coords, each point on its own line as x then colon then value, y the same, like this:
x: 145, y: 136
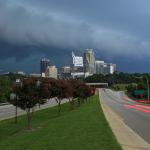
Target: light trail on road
x: 139, y: 107
x: 135, y: 115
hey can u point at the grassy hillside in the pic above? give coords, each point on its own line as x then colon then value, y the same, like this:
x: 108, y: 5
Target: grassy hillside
x: 83, y: 128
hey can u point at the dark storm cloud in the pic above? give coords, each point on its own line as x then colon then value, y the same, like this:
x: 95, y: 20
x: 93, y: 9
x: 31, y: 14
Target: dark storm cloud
x: 36, y: 27
x: 26, y: 26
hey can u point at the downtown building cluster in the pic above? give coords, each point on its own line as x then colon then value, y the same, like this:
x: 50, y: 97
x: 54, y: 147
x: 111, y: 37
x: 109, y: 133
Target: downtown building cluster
x: 81, y: 67
x: 48, y: 71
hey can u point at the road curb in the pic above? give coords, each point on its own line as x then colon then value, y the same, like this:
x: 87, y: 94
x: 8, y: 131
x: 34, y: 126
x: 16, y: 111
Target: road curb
x: 127, y: 138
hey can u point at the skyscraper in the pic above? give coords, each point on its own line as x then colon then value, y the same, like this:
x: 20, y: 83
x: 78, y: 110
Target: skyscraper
x: 89, y: 61
x: 44, y: 64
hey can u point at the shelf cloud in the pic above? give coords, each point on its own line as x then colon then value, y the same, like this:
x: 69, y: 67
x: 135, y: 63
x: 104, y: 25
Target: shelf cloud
x: 35, y: 28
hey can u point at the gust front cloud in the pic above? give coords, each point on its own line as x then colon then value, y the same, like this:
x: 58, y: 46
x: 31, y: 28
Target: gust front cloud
x: 27, y: 25
x: 23, y: 26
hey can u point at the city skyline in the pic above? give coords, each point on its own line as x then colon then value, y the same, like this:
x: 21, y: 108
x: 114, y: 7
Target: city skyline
x: 31, y: 30
x: 81, y: 64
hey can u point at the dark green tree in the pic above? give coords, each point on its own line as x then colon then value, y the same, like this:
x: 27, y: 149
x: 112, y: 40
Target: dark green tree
x: 28, y: 97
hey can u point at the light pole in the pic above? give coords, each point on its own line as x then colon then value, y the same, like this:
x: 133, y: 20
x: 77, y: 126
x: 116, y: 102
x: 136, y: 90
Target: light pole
x: 38, y: 83
x: 147, y: 89
x: 18, y: 84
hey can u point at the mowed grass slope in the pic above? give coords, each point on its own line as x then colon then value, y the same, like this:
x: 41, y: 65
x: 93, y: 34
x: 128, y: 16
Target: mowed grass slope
x: 83, y: 128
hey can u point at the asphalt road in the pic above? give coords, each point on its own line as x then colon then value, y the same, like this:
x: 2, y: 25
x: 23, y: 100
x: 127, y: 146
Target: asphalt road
x: 135, y: 115
x: 8, y: 111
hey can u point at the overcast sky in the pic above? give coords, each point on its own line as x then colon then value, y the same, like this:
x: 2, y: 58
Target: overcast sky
x: 117, y: 30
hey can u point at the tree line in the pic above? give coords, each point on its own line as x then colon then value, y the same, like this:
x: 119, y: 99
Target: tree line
x: 5, y: 88
x: 119, y: 78
x: 36, y: 91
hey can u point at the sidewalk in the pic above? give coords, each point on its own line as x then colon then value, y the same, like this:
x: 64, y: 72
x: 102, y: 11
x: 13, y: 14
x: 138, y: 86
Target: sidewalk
x: 8, y: 111
x: 127, y: 138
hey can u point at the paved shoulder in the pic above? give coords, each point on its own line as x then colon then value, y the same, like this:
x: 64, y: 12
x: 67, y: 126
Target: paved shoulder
x: 125, y: 135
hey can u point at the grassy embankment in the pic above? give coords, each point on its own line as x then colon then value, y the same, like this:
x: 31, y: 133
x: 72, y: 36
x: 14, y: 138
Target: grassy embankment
x: 83, y: 128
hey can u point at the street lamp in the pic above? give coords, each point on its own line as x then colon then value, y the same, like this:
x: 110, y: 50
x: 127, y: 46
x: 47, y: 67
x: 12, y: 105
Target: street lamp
x: 38, y: 83
x: 18, y: 84
x: 147, y: 80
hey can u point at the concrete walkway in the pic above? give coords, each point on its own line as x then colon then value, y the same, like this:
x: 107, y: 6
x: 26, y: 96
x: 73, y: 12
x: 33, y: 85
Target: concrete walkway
x: 128, y: 139
x: 8, y: 111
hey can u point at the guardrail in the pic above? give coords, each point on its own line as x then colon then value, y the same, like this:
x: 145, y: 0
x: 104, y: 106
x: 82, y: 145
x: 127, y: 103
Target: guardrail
x: 98, y: 84
x: 1, y: 104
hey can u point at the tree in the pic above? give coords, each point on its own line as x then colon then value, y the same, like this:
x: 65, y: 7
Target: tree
x: 75, y: 84
x: 28, y: 97
x: 56, y: 91
x: 67, y: 92
x: 84, y: 91
x: 131, y: 88
x: 44, y: 90
x: 81, y: 91
x: 60, y: 89
x: 5, y: 89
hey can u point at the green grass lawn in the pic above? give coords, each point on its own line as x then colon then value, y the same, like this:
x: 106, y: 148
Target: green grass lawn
x: 83, y: 128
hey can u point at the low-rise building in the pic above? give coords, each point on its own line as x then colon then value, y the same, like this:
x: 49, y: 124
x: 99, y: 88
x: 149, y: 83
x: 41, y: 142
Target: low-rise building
x: 99, y: 66
x: 109, y: 68
x: 104, y: 68
x: 35, y: 75
x: 51, y: 72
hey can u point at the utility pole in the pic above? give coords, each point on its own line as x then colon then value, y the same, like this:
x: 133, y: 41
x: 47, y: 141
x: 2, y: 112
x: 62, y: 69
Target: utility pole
x: 147, y: 89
